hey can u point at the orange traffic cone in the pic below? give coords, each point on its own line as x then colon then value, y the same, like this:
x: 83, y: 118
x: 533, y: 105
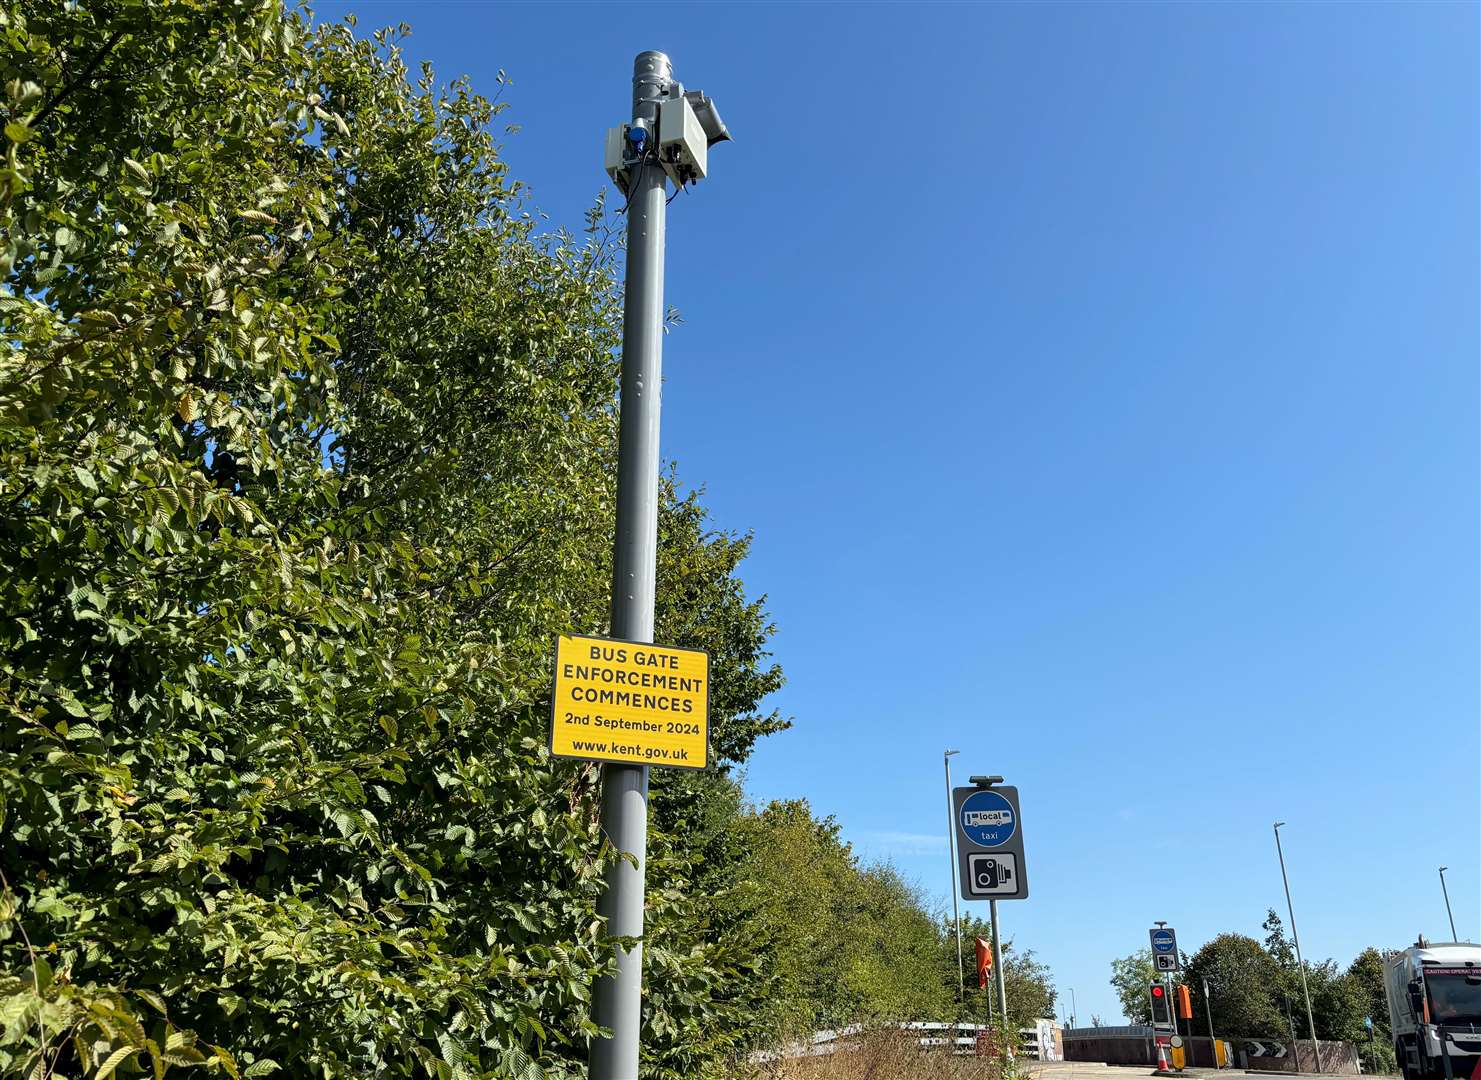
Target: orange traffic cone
x: 1161, y: 1058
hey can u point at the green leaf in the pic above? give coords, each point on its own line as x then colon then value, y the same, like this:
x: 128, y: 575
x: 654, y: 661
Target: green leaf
x: 113, y: 1061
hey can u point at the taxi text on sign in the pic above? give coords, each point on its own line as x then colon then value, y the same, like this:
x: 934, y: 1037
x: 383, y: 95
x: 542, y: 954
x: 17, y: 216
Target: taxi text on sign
x: 631, y: 702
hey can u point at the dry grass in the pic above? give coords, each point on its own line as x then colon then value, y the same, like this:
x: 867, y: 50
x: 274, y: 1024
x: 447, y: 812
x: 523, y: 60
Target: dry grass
x: 883, y: 1055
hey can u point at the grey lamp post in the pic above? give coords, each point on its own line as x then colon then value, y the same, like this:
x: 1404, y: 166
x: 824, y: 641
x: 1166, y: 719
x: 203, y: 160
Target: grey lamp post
x: 961, y: 976
x: 1446, y: 892
x: 1296, y: 939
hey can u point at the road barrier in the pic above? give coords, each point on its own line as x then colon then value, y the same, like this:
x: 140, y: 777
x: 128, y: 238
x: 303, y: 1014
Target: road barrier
x: 964, y: 1039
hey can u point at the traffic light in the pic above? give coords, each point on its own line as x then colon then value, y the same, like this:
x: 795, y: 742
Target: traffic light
x: 1185, y: 1003
x: 1161, y: 1010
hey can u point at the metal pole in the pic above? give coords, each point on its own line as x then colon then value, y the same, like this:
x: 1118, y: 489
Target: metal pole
x: 1316, y: 1049
x: 997, y: 964
x: 1074, y: 1011
x: 1295, y: 1046
x: 1208, y: 1007
x: 961, y: 975
x: 617, y: 1003
x: 1172, y: 1008
x: 1448, y: 915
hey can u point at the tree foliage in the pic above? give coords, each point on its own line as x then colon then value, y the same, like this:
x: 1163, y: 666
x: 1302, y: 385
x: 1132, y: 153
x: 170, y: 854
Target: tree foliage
x: 1244, y: 981
x: 1028, y: 984
x: 306, y: 456
x: 1130, y: 977
x: 843, y: 942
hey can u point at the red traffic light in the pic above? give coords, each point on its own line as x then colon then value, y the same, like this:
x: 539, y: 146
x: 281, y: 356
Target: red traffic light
x: 1157, y: 991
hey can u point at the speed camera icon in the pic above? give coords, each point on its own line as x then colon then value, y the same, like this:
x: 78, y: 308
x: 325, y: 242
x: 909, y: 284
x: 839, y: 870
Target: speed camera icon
x: 992, y: 875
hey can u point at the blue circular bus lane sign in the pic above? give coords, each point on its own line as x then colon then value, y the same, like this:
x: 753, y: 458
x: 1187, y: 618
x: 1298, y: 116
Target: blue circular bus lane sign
x: 987, y: 819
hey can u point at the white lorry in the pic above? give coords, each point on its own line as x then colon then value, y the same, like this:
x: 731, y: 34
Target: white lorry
x: 1434, y: 1009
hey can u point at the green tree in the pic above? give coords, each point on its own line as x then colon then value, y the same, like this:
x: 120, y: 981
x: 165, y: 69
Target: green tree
x: 1377, y: 1046
x: 1280, y: 950
x: 842, y: 941
x: 1130, y: 977
x: 306, y: 449
x: 1339, y: 1002
x: 1240, y: 975
x: 1028, y: 984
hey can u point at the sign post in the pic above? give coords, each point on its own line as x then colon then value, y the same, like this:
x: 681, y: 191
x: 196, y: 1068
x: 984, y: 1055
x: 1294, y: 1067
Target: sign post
x: 990, y: 861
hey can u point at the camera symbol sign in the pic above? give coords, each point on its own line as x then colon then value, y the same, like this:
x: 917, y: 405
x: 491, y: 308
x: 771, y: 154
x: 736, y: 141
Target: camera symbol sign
x: 989, y: 835
x: 992, y: 875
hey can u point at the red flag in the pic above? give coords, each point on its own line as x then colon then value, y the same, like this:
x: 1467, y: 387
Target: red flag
x: 984, y: 961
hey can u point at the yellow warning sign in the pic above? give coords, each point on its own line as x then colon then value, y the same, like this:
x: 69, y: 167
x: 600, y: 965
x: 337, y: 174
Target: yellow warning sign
x: 630, y: 702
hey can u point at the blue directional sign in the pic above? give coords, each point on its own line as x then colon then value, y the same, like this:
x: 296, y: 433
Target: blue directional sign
x: 987, y: 819
x: 1163, y: 941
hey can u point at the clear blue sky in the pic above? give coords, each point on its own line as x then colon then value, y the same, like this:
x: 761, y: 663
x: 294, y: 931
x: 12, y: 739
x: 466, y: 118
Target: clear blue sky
x: 1101, y: 383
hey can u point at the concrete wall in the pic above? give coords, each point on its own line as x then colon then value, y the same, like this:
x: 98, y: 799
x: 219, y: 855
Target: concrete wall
x: 1134, y: 1050
x: 1340, y: 1057
x: 1135, y: 1046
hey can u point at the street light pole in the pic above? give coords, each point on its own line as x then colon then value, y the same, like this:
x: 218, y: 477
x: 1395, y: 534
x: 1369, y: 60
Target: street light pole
x: 1074, y: 1011
x: 961, y: 975
x: 1448, y: 915
x: 1316, y: 1050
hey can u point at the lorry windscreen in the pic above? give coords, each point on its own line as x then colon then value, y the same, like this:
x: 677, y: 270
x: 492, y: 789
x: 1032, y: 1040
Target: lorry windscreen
x: 1455, y: 995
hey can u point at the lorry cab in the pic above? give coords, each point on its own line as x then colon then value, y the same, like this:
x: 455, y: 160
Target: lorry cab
x: 1434, y: 1001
